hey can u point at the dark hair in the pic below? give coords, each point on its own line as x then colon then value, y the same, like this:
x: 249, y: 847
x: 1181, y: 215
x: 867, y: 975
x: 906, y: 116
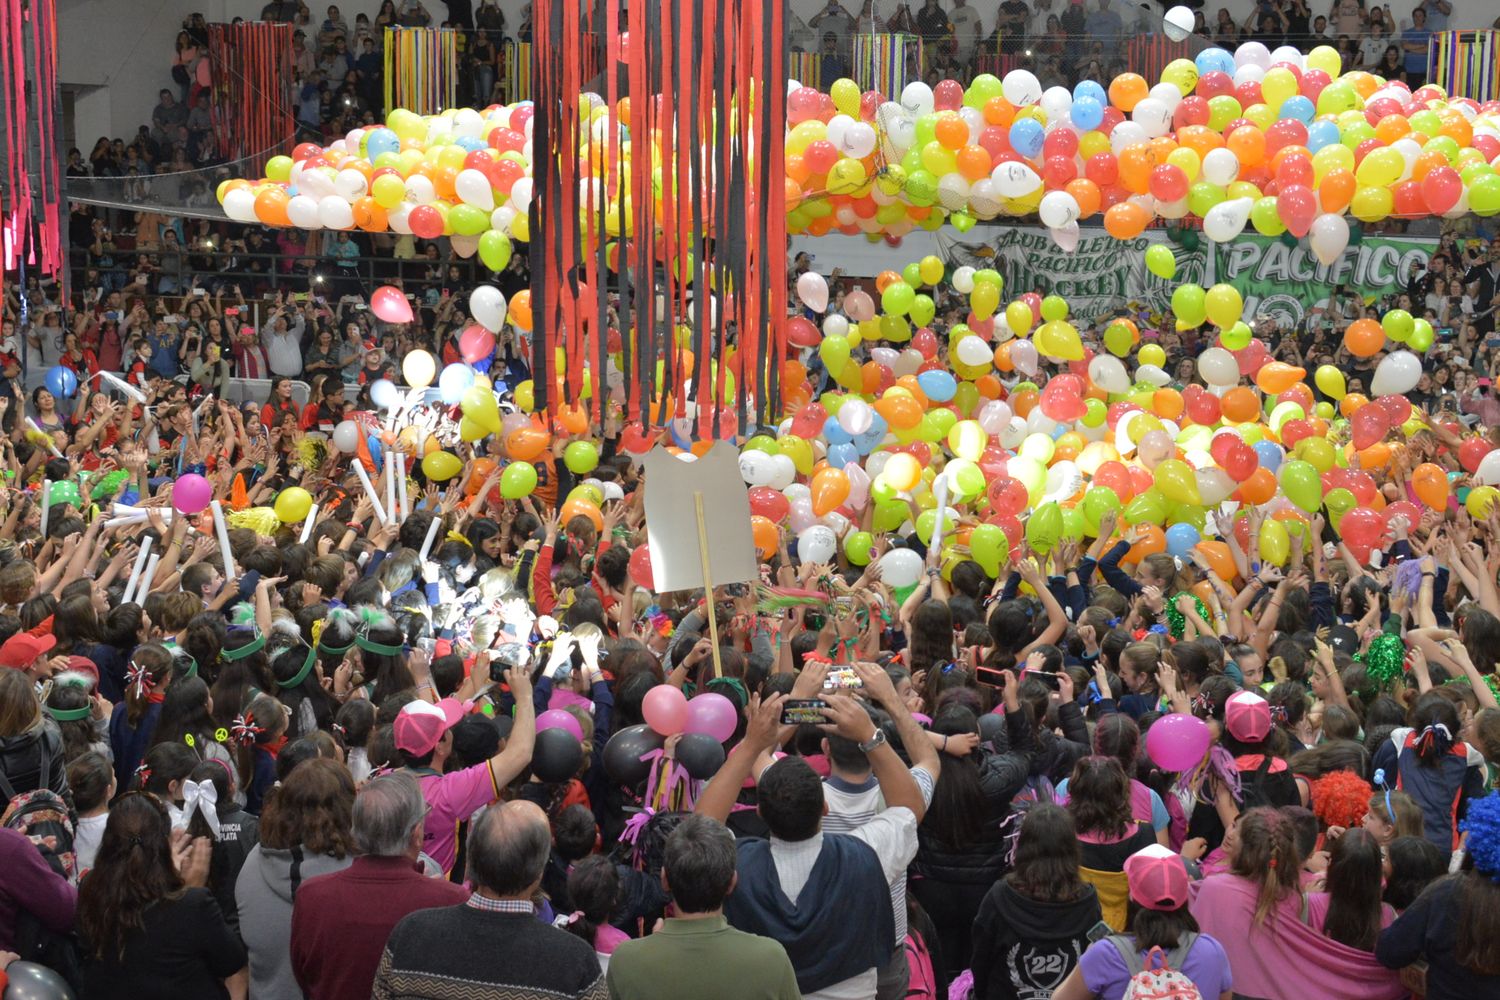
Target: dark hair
x: 1354, y: 874
x: 357, y: 717
x: 312, y: 809
x: 575, y: 832
x: 1047, y: 856
x: 1416, y: 863
x: 1477, y: 946
x: 184, y: 715
x: 594, y: 888
x: 132, y: 872
x: 1433, y: 709
x: 790, y: 798
x: 1099, y: 797
x: 164, y: 764
x: 700, y: 861
x: 89, y: 776
x: 1158, y: 928
x: 957, y: 813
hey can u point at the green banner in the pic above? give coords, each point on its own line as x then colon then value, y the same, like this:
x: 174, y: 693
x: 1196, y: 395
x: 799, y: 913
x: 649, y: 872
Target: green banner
x: 1102, y: 278
x: 1290, y: 285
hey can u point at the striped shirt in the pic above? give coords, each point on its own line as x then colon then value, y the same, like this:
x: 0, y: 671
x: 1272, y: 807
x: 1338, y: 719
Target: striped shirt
x: 851, y: 806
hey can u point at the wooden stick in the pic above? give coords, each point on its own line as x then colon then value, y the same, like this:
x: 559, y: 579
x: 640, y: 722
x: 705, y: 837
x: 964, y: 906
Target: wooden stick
x: 708, y: 584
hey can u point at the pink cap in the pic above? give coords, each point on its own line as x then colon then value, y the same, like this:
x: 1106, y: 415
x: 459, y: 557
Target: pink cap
x: 1247, y: 716
x: 1158, y: 880
x: 420, y: 725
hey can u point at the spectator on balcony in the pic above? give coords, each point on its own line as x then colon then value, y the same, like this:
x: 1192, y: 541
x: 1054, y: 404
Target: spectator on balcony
x: 968, y: 29
x: 310, y: 100
x: 1414, y: 46
x: 868, y: 22
x: 1225, y: 33
x: 481, y: 57
x: 1373, y: 45
x: 1348, y: 17
x: 384, y: 18
x: 1347, y: 49
x: 834, y: 19
x: 335, y: 61
x: 411, y: 14
x: 166, y: 116
x: 932, y: 22
x: 1319, y: 34
x: 1437, y: 12
x: 284, y: 11
x: 1074, y: 22
x: 303, y: 60
x: 1267, y: 24
x: 490, y: 19
x: 1298, y: 20
x: 1010, y: 25
x: 184, y: 60
x: 1104, y: 25
x: 282, y: 337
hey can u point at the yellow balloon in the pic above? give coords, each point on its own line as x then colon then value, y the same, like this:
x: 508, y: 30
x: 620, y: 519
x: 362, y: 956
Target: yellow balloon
x: 440, y: 465
x: 1152, y: 354
x: 1330, y: 381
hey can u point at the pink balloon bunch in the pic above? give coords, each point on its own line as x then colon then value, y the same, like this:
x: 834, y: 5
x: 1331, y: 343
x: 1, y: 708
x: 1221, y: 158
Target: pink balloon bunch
x: 665, y: 709
x: 191, y: 493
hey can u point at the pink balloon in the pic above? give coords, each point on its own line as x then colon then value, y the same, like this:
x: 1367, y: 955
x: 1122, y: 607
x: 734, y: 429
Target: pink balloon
x: 556, y: 718
x: 665, y: 709
x: 1178, y: 742
x: 191, y: 493
x: 859, y: 486
x: 713, y: 714
x: 475, y: 343
x: 389, y: 303
x: 859, y: 306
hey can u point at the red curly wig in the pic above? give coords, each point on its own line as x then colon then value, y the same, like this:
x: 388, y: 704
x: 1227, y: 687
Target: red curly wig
x: 1341, y: 798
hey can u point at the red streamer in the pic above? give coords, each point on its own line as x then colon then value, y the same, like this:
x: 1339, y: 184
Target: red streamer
x: 30, y: 219
x: 253, y: 111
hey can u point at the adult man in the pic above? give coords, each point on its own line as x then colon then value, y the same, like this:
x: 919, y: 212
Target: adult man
x: 825, y: 897
x: 1436, y: 12
x: 1414, y: 48
x: 166, y: 116
x: 340, y: 921
x: 836, y: 19
x: 163, y: 339
x: 493, y: 945
x: 968, y: 28
x: 853, y: 797
x: 283, y: 341
x: 932, y: 22
x: 706, y: 956
x: 1010, y: 25
x: 1104, y: 24
x: 424, y: 742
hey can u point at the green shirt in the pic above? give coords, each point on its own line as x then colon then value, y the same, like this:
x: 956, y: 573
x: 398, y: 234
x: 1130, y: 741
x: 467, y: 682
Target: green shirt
x: 704, y: 957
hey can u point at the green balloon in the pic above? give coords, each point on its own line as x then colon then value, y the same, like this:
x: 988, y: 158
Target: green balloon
x: 1160, y: 260
x: 988, y: 545
x: 912, y: 274
x: 1301, y: 484
x: 1044, y: 528
x: 1054, y: 308
x: 1190, y: 304
x: 1236, y: 337
x: 857, y: 547
x: 518, y: 480
x: 581, y: 457
x: 923, y: 309
x: 1097, y: 502
x: 890, y: 515
x: 897, y: 299
x: 1148, y: 508
x: 494, y: 249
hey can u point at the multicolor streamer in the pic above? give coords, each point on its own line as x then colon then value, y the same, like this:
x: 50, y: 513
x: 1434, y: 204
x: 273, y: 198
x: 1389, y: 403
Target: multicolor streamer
x: 884, y: 62
x: 709, y: 78
x: 517, y: 71
x: 1465, y: 63
x: 421, y: 69
x: 30, y: 221
x: 253, y: 77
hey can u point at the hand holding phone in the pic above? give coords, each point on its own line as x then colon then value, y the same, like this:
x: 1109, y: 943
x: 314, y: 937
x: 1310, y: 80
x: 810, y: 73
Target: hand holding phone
x: 803, y: 711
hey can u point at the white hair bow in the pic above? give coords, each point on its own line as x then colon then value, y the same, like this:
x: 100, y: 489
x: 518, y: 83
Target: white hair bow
x: 202, y: 797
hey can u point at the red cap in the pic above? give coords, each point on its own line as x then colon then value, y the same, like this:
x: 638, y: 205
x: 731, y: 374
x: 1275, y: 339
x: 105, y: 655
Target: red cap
x: 420, y: 725
x: 1158, y: 880
x: 1247, y: 716
x: 22, y: 649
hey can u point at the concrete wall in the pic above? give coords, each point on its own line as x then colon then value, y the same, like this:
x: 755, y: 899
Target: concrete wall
x: 120, y: 51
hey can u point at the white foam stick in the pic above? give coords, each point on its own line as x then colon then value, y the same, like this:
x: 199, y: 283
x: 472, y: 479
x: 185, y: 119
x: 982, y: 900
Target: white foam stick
x: 307, y: 525
x: 390, y: 485
x: 50, y: 446
x: 46, y: 503
x: 401, y: 486
x: 124, y: 387
x: 145, y: 586
x: 132, y: 519
x: 135, y: 572
x: 222, y: 530
x: 940, y: 494
x: 364, y: 480
x: 432, y: 530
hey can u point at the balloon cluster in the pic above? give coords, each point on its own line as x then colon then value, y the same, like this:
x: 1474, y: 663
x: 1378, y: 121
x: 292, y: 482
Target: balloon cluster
x: 1109, y: 433
x: 1279, y: 140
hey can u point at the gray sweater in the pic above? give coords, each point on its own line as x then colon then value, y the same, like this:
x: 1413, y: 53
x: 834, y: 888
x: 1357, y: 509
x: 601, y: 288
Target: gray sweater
x: 264, y: 893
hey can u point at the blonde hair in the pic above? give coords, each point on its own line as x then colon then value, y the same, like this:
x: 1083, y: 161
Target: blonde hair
x: 1407, y: 818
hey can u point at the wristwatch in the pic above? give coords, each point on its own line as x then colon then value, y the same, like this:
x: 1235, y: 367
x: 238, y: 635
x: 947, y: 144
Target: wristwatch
x: 874, y: 742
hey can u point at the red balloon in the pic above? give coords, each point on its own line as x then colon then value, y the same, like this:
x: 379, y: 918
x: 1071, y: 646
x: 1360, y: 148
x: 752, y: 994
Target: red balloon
x: 1370, y: 424
x: 1362, y: 485
x: 1241, y: 462
x: 1295, y: 430
x: 1192, y: 111
x: 925, y: 341
x: 1362, y: 527
x: 1472, y: 452
x: 476, y: 343
x: 800, y: 332
x: 809, y: 421
x: 1398, y: 408
x: 1061, y: 141
x: 947, y: 95
x: 1168, y: 182
x: 1285, y: 132
x: 1102, y: 168
x: 426, y: 222
x: 1410, y: 202
x: 1215, y: 83
x: 1008, y: 496
x: 820, y: 156
x: 640, y: 567
x: 1204, y: 408
x: 1295, y: 170
x: 1247, y: 93
x: 1117, y: 477
x: 1297, y: 206
x: 1313, y: 82
x: 1403, y: 509
x: 769, y: 503
x: 1057, y: 171
x: 1441, y: 189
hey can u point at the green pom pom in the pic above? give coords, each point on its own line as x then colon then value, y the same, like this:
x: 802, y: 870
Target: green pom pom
x: 1385, y: 660
x: 1176, y: 620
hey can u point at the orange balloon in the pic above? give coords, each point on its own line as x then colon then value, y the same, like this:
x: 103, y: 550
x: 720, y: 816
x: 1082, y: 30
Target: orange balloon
x: 1086, y: 193
x: 270, y: 207
x: 573, y: 418
x: 1023, y: 402
x: 1126, y: 220
x: 701, y: 448
x: 1135, y: 168
x: 1277, y: 377
x: 582, y: 507
x: 1350, y: 403
x: 1153, y: 540
x: 763, y: 530
x: 1127, y: 90
x: 1430, y: 484
x: 798, y: 170
x: 1259, y: 488
x: 998, y: 111
x: 909, y: 383
x: 1167, y: 403
x: 1219, y: 559
x: 973, y: 161
x: 951, y: 130
x: 520, y: 309
x: 482, y: 467
x: 793, y: 372
x: 901, y: 412
x: 1375, y: 456
x: 1248, y: 144
x: 1002, y: 357
x: 1240, y: 405
x: 525, y: 444
x: 1337, y: 189
x: 369, y: 215
x: 830, y: 488
x: 989, y: 386
x: 885, y: 279
x: 1364, y: 338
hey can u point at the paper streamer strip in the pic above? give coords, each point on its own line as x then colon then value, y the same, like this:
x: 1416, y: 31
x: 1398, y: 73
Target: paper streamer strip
x: 31, y: 234
x: 308, y: 524
x: 517, y: 70
x: 887, y: 62
x: 222, y: 531
x: 709, y: 78
x: 252, y: 88
x: 135, y: 572
x: 1465, y: 63
x: 421, y: 69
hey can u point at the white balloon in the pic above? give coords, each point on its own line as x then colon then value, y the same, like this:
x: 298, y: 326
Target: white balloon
x: 907, y: 362
x: 1221, y: 167
x: 972, y: 350
x: 1020, y: 87
x: 520, y: 194
x: 1249, y: 74
x: 984, y: 199
x: 473, y: 188
x: 1167, y: 93
x: 798, y: 491
x: 1218, y: 367
x: 1214, y: 485
x: 346, y: 437
x: 917, y: 99
x: 812, y: 289
x: 302, y: 211
x: 963, y: 279
x: 1125, y: 134
x: 899, y: 127
x: 953, y: 192
x: 801, y: 517
x: 350, y: 184
x: 783, y: 471
x: 1488, y: 472
x: 1063, y: 481
x: 835, y: 325
x: 1108, y: 373
x: 816, y: 544
x: 859, y: 141
x: 487, y: 306
x: 756, y: 468
x: 1328, y: 237
x: 1152, y: 115
x: 1154, y: 375
x: 994, y: 416
x: 1227, y: 219
x: 419, y: 190
x: 836, y: 127
x: 1287, y: 54
x: 1057, y: 102
x: 900, y: 568
x: 1252, y: 54
x: 383, y: 393
x: 1016, y: 180
x: 856, y: 416
x: 467, y: 122
x: 1178, y: 23
x: 399, y: 218
x: 335, y: 213
x: 1173, y: 209
x: 1397, y: 373
x: 1066, y: 237
x: 239, y: 205
x: 1058, y: 208
x: 1024, y: 356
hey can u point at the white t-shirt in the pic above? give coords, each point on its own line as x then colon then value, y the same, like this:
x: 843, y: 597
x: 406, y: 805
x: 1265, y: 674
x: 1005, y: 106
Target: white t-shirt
x: 850, y: 807
x: 86, y: 836
x: 893, y: 836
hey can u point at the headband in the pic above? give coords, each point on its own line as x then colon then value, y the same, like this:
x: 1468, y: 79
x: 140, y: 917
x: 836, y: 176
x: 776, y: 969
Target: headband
x: 371, y: 646
x: 300, y: 675
x: 250, y: 648
x: 69, y: 714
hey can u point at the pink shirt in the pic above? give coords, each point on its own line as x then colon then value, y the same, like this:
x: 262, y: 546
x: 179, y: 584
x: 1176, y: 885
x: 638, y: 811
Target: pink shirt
x: 452, y: 799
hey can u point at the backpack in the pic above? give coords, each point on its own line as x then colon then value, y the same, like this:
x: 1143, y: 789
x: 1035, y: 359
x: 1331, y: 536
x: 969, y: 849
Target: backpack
x: 43, y: 818
x: 1159, y: 976
x: 921, y: 984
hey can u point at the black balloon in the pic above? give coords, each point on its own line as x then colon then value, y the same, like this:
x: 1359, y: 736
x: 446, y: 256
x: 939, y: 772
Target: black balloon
x: 29, y: 981
x: 701, y: 754
x: 557, y: 755
x: 622, y: 754
x: 992, y: 729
